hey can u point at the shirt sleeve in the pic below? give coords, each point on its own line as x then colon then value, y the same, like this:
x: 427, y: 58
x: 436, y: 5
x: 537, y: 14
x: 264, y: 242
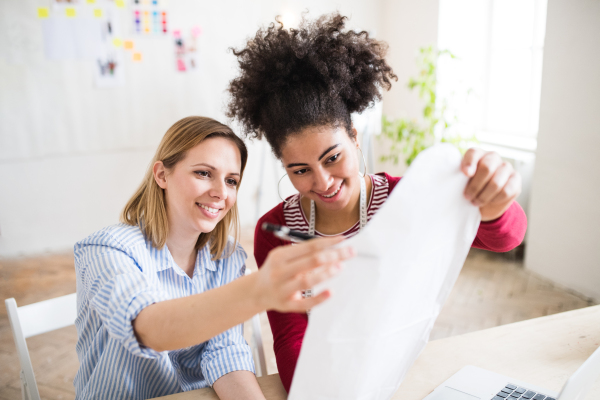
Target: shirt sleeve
x: 504, y: 233
x: 117, y: 290
x: 228, y: 351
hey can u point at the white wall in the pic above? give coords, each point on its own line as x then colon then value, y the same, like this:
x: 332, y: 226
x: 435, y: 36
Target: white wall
x: 71, y: 154
x: 407, y: 26
x: 564, y: 227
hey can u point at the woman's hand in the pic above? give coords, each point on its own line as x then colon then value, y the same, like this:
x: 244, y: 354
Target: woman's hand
x: 493, y: 183
x: 288, y: 270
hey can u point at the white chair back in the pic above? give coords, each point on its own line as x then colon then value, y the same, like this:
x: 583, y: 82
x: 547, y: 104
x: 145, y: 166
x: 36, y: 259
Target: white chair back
x: 34, y: 319
x: 48, y: 315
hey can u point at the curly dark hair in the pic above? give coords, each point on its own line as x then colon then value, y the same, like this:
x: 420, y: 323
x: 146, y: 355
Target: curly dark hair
x: 315, y: 75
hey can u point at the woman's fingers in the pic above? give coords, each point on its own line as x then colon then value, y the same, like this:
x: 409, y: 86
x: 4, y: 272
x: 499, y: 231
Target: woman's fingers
x: 494, y: 185
x: 310, y: 302
x: 308, y: 280
x: 290, y: 269
x: 312, y: 261
x: 486, y: 167
x: 470, y: 161
x: 288, y: 253
x: 512, y: 189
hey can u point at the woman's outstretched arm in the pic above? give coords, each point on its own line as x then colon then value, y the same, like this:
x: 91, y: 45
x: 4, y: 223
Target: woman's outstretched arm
x: 187, y: 321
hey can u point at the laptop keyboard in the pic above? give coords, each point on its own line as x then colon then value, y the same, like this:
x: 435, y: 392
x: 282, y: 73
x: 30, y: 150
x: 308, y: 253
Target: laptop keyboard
x: 512, y: 392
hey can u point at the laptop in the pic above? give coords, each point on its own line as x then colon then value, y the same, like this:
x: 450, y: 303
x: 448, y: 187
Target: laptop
x: 473, y: 383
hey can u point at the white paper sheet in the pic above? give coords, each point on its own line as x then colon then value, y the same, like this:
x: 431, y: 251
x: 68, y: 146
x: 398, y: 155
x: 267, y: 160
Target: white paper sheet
x: 71, y: 38
x: 361, y: 342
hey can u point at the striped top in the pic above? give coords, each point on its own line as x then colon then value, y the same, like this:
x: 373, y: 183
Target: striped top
x: 296, y: 220
x: 118, y: 274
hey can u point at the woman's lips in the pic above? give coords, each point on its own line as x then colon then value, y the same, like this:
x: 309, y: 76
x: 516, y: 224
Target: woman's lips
x: 208, y: 211
x: 333, y: 198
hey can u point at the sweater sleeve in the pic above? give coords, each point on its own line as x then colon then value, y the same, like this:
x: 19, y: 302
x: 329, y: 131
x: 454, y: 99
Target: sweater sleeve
x: 504, y: 233
x: 288, y: 328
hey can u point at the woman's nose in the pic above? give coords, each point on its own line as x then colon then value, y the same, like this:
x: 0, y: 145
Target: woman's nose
x: 322, y: 180
x: 219, y: 190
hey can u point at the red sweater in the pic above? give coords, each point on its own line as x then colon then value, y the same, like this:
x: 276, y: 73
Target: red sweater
x: 502, y: 234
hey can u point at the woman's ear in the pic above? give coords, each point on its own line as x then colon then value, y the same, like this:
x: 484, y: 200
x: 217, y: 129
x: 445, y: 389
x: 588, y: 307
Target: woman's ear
x: 354, y: 133
x: 160, y: 174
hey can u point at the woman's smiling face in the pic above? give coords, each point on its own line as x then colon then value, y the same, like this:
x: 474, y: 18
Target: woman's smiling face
x: 322, y: 163
x: 202, y: 187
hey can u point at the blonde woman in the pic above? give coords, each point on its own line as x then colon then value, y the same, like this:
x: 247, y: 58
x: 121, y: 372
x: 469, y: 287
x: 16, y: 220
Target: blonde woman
x: 159, y: 299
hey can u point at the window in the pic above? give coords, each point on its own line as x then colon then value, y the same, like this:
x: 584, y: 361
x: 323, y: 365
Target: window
x: 493, y: 86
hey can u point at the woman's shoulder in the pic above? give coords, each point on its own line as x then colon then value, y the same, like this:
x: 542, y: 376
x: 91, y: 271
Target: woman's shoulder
x: 275, y: 215
x: 233, y: 249
x: 121, y: 237
x: 384, y: 177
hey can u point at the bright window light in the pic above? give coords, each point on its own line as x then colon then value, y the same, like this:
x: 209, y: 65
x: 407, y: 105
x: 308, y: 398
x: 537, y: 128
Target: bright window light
x: 493, y: 86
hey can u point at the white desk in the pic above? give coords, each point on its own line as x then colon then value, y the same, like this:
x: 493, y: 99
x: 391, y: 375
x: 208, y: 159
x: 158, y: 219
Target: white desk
x: 543, y: 351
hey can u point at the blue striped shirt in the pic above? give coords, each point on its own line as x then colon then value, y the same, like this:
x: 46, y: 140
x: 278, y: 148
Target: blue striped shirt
x: 118, y: 274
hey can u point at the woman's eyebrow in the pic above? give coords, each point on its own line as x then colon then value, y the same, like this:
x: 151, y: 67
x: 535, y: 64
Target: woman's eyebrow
x: 328, y: 150
x: 204, y: 164
x: 322, y: 155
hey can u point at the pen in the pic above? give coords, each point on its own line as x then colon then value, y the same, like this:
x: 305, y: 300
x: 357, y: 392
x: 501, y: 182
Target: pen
x: 285, y: 233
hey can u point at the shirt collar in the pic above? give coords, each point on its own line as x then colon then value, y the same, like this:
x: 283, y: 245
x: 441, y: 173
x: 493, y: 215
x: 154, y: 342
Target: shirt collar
x: 164, y: 260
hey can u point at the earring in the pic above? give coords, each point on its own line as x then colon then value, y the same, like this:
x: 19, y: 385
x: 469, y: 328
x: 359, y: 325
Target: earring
x: 278, y: 192
x: 364, y: 163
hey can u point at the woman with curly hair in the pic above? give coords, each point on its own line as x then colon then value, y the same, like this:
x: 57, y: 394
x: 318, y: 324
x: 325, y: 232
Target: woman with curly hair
x: 298, y: 88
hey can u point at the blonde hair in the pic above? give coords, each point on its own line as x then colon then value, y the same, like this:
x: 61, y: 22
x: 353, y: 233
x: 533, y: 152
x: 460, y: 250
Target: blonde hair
x: 147, y: 208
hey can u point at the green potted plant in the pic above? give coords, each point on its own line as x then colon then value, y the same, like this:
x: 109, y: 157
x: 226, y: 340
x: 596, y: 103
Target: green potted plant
x: 408, y: 136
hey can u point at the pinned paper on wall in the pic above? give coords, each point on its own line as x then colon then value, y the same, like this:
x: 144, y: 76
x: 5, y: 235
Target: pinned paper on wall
x: 71, y: 38
x: 361, y: 342
x: 109, y: 65
x: 137, y: 57
x: 98, y: 13
x: 128, y: 45
x: 70, y: 12
x: 149, y: 18
x: 109, y: 70
x: 186, y: 50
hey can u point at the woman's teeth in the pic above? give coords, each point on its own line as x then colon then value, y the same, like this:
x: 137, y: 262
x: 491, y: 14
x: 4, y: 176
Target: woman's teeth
x: 210, y: 210
x: 334, y: 193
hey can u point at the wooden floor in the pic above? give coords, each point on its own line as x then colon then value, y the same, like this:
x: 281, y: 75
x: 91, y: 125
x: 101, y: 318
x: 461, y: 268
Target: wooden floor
x: 492, y: 290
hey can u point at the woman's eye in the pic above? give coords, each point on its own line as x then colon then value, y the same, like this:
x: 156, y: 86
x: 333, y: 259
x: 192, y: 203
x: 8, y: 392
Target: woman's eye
x: 333, y: 157
x: 232, y: 182
x: 202, y: 173
x: 300, y: 171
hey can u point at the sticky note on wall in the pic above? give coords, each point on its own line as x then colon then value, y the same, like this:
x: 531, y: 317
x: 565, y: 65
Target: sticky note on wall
x: 137, y: 56
x: 98, y: 12
x: 120, y: 3
x: 70, y: 12
x: 117, y: 42
x: 43, y: 12
x: 128, y: 45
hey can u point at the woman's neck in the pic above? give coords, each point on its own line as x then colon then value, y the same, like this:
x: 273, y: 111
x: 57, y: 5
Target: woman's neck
x: 183, y: 250
x: 333, y: 222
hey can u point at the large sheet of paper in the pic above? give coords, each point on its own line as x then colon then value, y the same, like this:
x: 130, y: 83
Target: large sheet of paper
x: 360, y: 343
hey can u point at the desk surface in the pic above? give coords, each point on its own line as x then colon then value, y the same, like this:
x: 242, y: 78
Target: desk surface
x: 542, y: 351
